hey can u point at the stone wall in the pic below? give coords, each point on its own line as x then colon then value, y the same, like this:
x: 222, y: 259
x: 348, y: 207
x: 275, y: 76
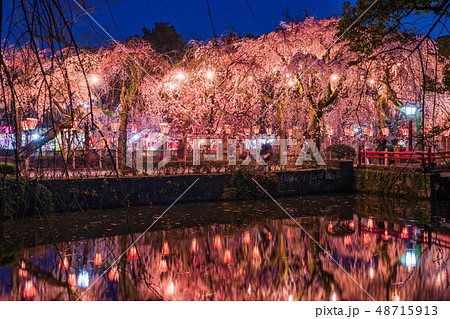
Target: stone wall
x: 95, y: 193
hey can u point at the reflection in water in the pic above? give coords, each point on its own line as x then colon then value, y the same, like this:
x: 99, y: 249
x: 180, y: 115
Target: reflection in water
x: 249, y: 257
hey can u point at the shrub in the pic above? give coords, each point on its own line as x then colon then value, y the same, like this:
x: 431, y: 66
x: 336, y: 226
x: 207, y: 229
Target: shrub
x: 7, y: 168
x: 242, y: 185
x: 340, y: 151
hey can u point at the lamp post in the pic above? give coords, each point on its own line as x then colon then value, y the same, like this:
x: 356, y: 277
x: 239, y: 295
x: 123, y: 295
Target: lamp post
x: 115, y: 128
x: 165, y: 128
x: 29, y: 124
x: 410, y: 112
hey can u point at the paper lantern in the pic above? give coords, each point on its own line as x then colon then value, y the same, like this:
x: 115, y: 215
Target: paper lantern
x: 113, y: 274
x: 289, y: 131
x: 31, y: 123
x: 29, y: 290
x: 163, y: 265
x: 269, y: 130
x: 227, y: 129
x: 405, y: 233
x: 65, y: 264
x: 351, y: 225
x: 132, y: 254
x: 348, y: 131
x: 99, y: 126
x: 246, y: 237
x: 371, y: 132
x: 269, y: 236
x: 386, y: 236
x: 227, y: 257
x: 330, y: 228
x: 219, y: 130
x: 330, y: 131
x: 347, y: 240
x: 72, y: 280
x: 256, y: 129
x: 405, y: 132
x: 370, y: 223
x: 165, y: 248
x: 194, y: 245
x: 98, y: 260
x: 217, y: 242
x: 114, y: 126
x: 288, y: 234
x: 366, y: 239
x: 256, y: 254
x: 366, y: 131
x: 385, y: 131
x: 446, y: 133
x: 165, y: 128
x: 133, y: 128
x: 75, y: 124
x: 246, y: 130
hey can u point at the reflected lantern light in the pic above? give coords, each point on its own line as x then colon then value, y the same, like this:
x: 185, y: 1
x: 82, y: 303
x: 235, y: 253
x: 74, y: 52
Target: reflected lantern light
x: 217, y: 242
x: 133, y: 253
x: 347, y: 240
x: 256, y: 254
x: 163, y: 265
x: 113, y: 274
x: 194, y: 245
x: 166, y: 248
x: 256, y: 129
x: 83, y: 279
x: 98, y: 259
x: 72, y: 280
x: 29, y: 290
x: 64, y: 264
x: 227, y: 258
x: 246, y: 237
x: 114, y: 126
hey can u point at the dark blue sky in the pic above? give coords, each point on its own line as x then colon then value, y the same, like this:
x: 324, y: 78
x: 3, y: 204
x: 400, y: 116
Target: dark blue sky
x: 190, y: 17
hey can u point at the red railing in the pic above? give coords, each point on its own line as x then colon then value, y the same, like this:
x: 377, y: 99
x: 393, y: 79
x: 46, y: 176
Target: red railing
x: 411, y: 157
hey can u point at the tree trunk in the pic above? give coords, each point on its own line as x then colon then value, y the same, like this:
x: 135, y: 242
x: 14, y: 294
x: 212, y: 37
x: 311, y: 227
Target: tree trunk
x: 122, y: 144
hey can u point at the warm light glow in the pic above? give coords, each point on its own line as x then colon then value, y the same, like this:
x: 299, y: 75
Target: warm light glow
x: 227, y: 128
x: 289, y: 131
x: 163, y: 265
x: 165, y: 128
x: 385, y: 131
x: 180, y: 76
x: 171, y: 288
x: 334, y: 77
x: 347, y: 240
x: 371, y: 273
x: 291, y: 82
x: 405, y: 132
x: 370, y: 223
x: 219, y: 130
x: 409, y: 110
x: 72, y: 280
x: 194, y: 245
x: 291, y: 298
x: 366, y: 239
x: 132, y: 253
x: 269, y: 130
x: 95, y: 79
x: 114, y: 126
x: 29, y: 290
x: 209, y: 74
x: 256, y: 129
x: 249, y: 290
x: 256, y: 253
x: 333, y: 298
x: 351, y: 225
x: 246, y: 130
x: 133, y: 128
x: 100, y: 126
x: 371, y: 81
x: 269, y: 236
x: 113, y: 274
x: 65, y: 264
x: 217, y: 242
x: 98, y: 260
x: 29, y: 124
x: 405, y: 233
x: 166, y: 248
x: 227, y: 258
x: 330, y: 228
x: 75, y: 124
x: 246, y: 237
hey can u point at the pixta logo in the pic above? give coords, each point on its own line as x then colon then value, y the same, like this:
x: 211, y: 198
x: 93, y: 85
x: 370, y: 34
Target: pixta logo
x: 140, y: 153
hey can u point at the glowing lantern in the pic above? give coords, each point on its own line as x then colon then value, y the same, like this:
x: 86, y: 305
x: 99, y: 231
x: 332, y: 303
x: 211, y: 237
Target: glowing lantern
x: 386, y: 235
x: 133, y: 253
x: 114, y: 126
x: 98, y: 260
x: 75, y: 124
x: 100, y: 126
x: 405, y: 233
x: 23, y: 272
x: 289, y: 131
x: 246, y: 130
x: 133, y: 128
x: 246, y: 237
x: 351, y: 225
x: 371, y: 133
x: 102, y: 143
x: 227, y: 258
x: 330, y: 228
x: 269, y: 236
x: 219, y: 130
x: 171, y: 288
x: 347, y: 131
x: 385, y: 131
x: 405, y: 132
x: 113, y: 274
x: 164, y: 127
x: 366, y: 131
x: 31, y: 123
x: 227, y: 129
x: 65, y: 264
x: 72, y: 280
x: 366, y: 239
x: 166, y: 248
x: 269, y: 130
x: 347, y: 240
x: 256, y: 254
x: 217, y: 242
x: 370, y: 223
x: 446, y: 133
x: 29, y: 289
x: 194, y: 245
x: 330, y: 131
x: 83, y: 279
x: 333, y: 298
x: 256, y: 129
x: 371, y: 273
x: 163, y: 265
x: 352, y: 133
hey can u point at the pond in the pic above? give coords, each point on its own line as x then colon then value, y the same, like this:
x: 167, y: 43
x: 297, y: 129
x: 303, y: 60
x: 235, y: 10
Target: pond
x: 380, y: 248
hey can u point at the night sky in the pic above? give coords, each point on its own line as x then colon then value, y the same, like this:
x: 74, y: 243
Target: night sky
x: 191, y: 19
